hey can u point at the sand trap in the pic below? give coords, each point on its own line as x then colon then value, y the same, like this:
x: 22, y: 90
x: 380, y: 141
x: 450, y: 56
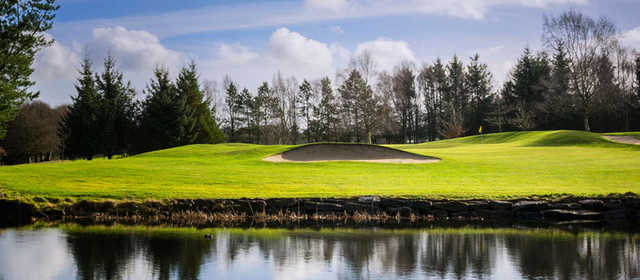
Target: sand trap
x: 623, y: 139
x: 348, y: 152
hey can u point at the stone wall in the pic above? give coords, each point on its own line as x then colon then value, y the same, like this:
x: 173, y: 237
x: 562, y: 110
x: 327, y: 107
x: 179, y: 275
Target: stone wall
x: 614, y: 209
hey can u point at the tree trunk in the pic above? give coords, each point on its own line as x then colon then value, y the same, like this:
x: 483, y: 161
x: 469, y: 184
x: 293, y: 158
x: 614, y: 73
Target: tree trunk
x: 586, y: 122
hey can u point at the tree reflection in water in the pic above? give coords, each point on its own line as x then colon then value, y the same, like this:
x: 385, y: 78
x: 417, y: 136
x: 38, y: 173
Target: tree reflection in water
x: 356, y: 254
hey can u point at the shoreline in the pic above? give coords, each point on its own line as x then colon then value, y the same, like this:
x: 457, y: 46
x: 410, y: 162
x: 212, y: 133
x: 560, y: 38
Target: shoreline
x: 622, y: 209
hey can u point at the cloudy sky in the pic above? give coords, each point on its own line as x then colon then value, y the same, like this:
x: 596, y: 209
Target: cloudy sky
x: 250, y: 40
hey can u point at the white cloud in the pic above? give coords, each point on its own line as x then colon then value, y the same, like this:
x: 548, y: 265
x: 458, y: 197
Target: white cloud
x: 235, y: 54
x: 261, y: 14
x: 136, y: 53
x: 631, y: 38
x: 386, y: 53
x: 474, y: 9
x: 55, y: 69
x: 332, y: 5
x: 56, y: 62
x: 135, y: 50
x: 294, y: 53
x: 21, y: 250
x: 341, y: 55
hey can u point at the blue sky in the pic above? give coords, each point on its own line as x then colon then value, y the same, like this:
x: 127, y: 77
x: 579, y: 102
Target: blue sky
x: 252, y: 40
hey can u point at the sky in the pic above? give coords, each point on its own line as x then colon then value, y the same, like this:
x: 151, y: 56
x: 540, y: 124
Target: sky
x: 249, y: 40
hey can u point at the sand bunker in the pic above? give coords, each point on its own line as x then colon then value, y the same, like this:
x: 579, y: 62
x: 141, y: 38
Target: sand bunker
x: 623, y: 139
x: 349, y: 152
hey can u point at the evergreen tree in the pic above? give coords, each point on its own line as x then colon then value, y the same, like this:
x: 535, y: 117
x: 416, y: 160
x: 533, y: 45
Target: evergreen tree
x: 368, y: 105
x: 80, y: 129
x: 350, y: 92
x: 22, y: 28
x: 454, y: 100
x: 305, y: 93
x: 527, y: 90
x: 557, y: 107
x: 165, y: 120
x: 607, y: 109
x: 478, y: 81
x: 327, y: 111
x: 117, y: 110
x: 246, y: 113
x: 432, y: 82
x: 234, y: 104
x: 188, y: 87
x: 262, y: 104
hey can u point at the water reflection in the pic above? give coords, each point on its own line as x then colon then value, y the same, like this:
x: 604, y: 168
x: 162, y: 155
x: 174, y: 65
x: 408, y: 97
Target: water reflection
x: 73, y: 252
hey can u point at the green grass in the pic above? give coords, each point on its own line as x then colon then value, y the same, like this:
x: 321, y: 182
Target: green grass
x: 345, y: 232
x: 502, y: 165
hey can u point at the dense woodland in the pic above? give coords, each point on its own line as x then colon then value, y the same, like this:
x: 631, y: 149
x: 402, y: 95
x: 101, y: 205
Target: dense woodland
x: 581, y: 79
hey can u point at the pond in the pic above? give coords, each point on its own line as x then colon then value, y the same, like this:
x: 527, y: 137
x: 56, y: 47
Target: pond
x: 71, y: 251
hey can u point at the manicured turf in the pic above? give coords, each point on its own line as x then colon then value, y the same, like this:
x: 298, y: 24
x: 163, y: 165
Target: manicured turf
x: 491, y: 166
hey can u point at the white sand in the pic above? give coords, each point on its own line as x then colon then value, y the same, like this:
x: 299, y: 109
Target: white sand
x: 349, y: 152
x: 623, y: 139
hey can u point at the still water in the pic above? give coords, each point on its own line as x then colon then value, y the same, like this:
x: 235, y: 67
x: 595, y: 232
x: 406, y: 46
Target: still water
x: 120, y: 252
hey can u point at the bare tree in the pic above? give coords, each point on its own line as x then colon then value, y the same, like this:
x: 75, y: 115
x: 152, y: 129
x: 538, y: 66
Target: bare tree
x: 365, y: 64
x: 212, y: 92
x: 280, y: 106
x: 624, y: 75
x: 291, y: 92
x: 585, y: 40
x: 404, y: 98
x: 33, y: 134
x: 384, y: 91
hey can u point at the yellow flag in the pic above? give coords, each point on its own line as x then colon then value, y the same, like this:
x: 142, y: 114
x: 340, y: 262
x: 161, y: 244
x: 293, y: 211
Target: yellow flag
x: 480, y: 130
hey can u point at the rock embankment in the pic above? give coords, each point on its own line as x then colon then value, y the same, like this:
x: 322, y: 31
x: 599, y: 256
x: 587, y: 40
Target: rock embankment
x: 619, y: 209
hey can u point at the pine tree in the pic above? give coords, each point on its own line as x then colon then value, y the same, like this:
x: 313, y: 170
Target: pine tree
x: 80, y: 129
x: 207, y: 131
x: 234, y: 104
x: 327, y: 112
x: 557, y: 107
x: 22, y: 28
x: 305, y: 93
x: 117, y: 110
x: 165, y: 120
x: 349, y: 93
x: 478, y: 84
x: 454, y: 100
x: 262, y: 104
x: 246, y: 105
x: 527, y: 90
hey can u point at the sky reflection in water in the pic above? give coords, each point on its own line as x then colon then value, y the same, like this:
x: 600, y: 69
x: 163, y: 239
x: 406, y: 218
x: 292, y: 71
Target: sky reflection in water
x: 74, y: 252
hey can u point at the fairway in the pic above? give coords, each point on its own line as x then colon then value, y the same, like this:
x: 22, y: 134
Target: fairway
x: 502, y: 165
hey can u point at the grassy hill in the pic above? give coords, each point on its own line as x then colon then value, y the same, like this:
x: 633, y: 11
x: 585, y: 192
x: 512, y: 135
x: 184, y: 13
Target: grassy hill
x: 501, y: 165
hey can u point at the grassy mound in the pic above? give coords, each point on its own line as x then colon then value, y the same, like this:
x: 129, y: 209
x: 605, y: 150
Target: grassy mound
x: 498, y: 165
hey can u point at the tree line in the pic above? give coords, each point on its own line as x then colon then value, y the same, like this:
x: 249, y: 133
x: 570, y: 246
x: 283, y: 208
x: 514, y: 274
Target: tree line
x: 582, y: 78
